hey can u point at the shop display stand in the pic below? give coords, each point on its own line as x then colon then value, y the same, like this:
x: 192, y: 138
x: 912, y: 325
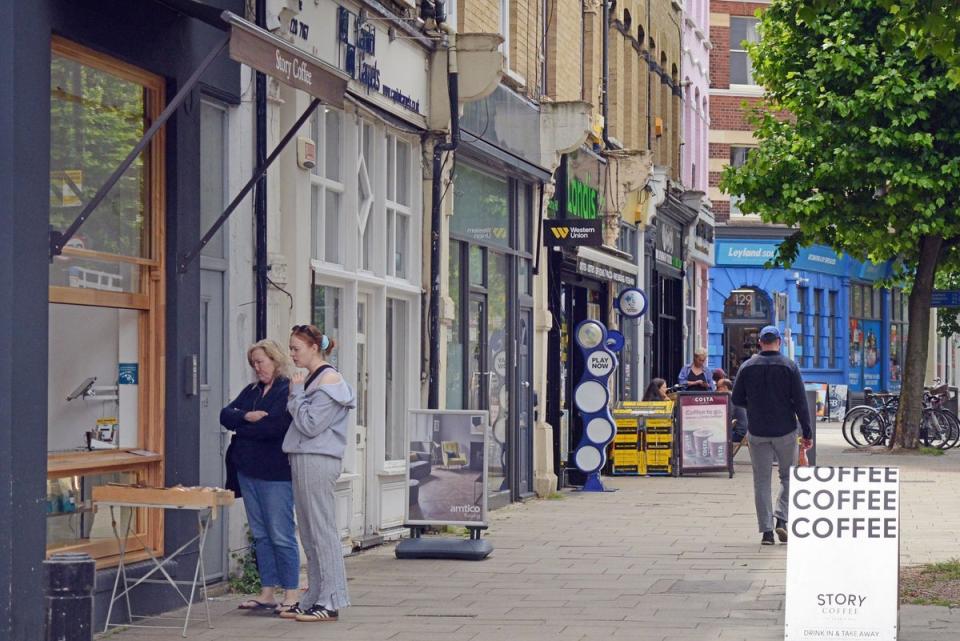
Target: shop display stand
x: 438, y: 547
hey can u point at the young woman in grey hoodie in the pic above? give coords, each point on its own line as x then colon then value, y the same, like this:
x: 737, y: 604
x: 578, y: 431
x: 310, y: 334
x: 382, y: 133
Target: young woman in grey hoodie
x: 319, y: 403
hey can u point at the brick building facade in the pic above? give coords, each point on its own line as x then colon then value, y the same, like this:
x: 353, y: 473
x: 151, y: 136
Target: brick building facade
x: 731, y: 85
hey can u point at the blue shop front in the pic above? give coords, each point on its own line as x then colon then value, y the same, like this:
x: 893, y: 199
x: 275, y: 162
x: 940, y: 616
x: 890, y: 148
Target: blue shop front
x: 837, y: 324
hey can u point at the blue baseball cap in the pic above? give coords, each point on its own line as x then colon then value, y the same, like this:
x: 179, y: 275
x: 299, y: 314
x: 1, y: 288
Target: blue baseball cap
x: 769, y: 334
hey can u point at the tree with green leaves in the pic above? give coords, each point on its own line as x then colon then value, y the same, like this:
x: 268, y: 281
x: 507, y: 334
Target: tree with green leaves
x: 868, y: 159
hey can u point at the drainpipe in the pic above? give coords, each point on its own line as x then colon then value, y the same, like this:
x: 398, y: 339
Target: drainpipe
x: 260, y: 201
x: 605, y: 71
x: 649, y: 93
x: 436, y: 219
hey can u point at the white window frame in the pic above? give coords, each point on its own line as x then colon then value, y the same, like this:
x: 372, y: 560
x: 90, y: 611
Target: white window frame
x: 395, y: 209
x: 736, y: 47
x: 320, y: 184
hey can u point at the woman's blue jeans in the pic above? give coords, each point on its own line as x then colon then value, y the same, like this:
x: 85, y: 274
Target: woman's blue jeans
x: 269, y: 506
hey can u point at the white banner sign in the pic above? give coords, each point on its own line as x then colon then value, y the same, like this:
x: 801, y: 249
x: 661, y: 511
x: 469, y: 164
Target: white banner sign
x: 843, y: 560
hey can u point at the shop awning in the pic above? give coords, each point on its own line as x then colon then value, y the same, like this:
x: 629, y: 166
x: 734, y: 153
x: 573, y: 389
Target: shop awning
x: 607, y: 266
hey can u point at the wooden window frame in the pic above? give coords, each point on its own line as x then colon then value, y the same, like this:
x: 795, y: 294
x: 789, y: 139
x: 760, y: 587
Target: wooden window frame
x: 150, y: 301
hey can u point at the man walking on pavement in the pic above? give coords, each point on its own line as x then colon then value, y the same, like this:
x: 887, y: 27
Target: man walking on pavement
x: 770, y: 387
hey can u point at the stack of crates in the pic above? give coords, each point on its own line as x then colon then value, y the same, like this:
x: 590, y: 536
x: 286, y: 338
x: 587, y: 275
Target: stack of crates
x: 653, y: 422
x: 628, y: 456
x: 659, y: 445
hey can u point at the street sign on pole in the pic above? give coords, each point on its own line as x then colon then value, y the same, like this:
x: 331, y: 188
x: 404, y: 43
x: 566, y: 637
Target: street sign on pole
x: 945, y: 298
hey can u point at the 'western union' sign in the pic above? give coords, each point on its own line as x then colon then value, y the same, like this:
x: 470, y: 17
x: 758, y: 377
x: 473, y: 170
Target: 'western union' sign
x: 572, y: 232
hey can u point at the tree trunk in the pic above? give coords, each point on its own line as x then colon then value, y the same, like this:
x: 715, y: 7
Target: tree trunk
x: 907, y: 431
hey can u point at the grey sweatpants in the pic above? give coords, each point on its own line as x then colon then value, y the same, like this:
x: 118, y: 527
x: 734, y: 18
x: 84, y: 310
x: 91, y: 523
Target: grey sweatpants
x: 314, y: 481
x: 764, y: 450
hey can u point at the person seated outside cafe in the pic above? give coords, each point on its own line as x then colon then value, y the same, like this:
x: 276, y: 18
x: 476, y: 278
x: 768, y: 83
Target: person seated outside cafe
x: 656, y: 391
x: 697, y: 377
x: 739, y: 413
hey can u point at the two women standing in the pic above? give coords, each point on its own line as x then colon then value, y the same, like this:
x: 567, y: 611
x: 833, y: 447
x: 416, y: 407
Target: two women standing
x: 301, y: 451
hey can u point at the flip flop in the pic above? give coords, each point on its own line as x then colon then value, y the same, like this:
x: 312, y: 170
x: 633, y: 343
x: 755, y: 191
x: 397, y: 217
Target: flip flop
x: 257, y: 605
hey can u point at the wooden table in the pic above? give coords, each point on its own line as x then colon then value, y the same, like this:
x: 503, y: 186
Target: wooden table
x: 206, y: 502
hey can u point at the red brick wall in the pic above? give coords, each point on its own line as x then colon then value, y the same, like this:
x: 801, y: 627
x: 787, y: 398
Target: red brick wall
x: 737, y: 8
x: 721, y: 211
x: 720, y: 58
x: 727, y: 113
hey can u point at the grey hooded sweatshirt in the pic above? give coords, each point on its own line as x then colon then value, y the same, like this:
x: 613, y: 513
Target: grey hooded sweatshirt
x: 319, y: 419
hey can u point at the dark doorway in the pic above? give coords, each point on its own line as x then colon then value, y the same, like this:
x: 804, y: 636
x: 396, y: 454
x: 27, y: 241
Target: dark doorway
x: 668, y: 327
x: 745, y: 312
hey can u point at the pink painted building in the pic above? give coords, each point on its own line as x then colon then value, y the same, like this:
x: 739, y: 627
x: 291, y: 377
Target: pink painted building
x: 694, y: 168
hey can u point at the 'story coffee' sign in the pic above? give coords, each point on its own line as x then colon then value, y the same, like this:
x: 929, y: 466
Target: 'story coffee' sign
x: 843, y: 557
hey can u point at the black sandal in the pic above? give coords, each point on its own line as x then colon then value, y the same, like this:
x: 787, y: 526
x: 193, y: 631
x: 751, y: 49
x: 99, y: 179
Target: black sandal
x: 257, y: 605
x: 288, y: 611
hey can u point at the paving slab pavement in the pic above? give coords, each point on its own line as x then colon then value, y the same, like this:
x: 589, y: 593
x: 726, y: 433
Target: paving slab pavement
x: 660, y: 559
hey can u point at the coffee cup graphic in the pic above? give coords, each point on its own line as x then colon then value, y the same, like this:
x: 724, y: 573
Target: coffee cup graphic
x: 718, y: 449
x: 689, y: 448
x: 701, y: 441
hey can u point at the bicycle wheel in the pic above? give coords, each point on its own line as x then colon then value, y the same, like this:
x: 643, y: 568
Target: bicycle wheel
x: 935, y: 429
x: 848, y: 421
x: 864, y: 426
x: 954, y: 426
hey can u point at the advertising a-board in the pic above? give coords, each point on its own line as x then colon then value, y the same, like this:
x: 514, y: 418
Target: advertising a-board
x: 843, y: 558
x: 837, y: 401
x: 446, y: 470
x: 704, y: 421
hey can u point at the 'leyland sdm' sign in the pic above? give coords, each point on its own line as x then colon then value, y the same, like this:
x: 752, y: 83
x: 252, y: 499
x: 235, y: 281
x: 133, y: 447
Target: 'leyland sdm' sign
x: 844, y: 554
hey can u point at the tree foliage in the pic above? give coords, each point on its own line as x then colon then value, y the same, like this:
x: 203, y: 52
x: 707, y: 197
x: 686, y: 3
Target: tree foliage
x: 934, y: 25
x: 868, y: 159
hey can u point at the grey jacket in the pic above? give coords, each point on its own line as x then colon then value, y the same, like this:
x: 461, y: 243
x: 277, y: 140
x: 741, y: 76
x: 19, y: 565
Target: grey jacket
x: 319, y: 419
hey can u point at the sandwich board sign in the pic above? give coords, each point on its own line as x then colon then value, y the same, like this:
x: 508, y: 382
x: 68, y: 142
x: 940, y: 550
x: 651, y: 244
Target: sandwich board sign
x: 843, y: 561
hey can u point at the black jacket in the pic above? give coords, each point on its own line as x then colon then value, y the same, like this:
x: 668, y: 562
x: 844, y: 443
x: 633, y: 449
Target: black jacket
x: 770, y: 387
x: 255, y: 448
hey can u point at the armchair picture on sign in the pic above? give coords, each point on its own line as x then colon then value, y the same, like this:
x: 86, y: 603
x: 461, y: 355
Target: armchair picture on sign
x: 446, y: 469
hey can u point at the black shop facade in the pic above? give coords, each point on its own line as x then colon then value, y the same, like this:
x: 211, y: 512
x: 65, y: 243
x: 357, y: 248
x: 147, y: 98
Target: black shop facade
x: 585, y: 276
x: 665, y: 274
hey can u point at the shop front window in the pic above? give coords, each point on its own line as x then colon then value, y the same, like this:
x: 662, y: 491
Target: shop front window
x: 365, y: 193
x: 399, y: 178
x: 832, y: 322
x: 803, y: 358
x: 327, y: 305
x: 104, y: 417
x: 490, y: 283
x: 398, y: 341
x: 454, y: 399
x: 482, y: 207
x: 817, y: 351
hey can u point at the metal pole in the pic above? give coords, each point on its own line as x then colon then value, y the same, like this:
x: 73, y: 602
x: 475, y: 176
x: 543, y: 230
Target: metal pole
x: 69, y: 595
x: 260, y: 198
x: 436, y: 218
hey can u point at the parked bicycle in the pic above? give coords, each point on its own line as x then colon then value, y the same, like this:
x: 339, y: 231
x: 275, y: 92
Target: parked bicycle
x: 872, y: 423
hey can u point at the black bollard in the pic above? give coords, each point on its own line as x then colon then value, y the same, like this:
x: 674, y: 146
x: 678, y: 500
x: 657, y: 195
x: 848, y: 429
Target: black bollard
x: 69, y: 587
